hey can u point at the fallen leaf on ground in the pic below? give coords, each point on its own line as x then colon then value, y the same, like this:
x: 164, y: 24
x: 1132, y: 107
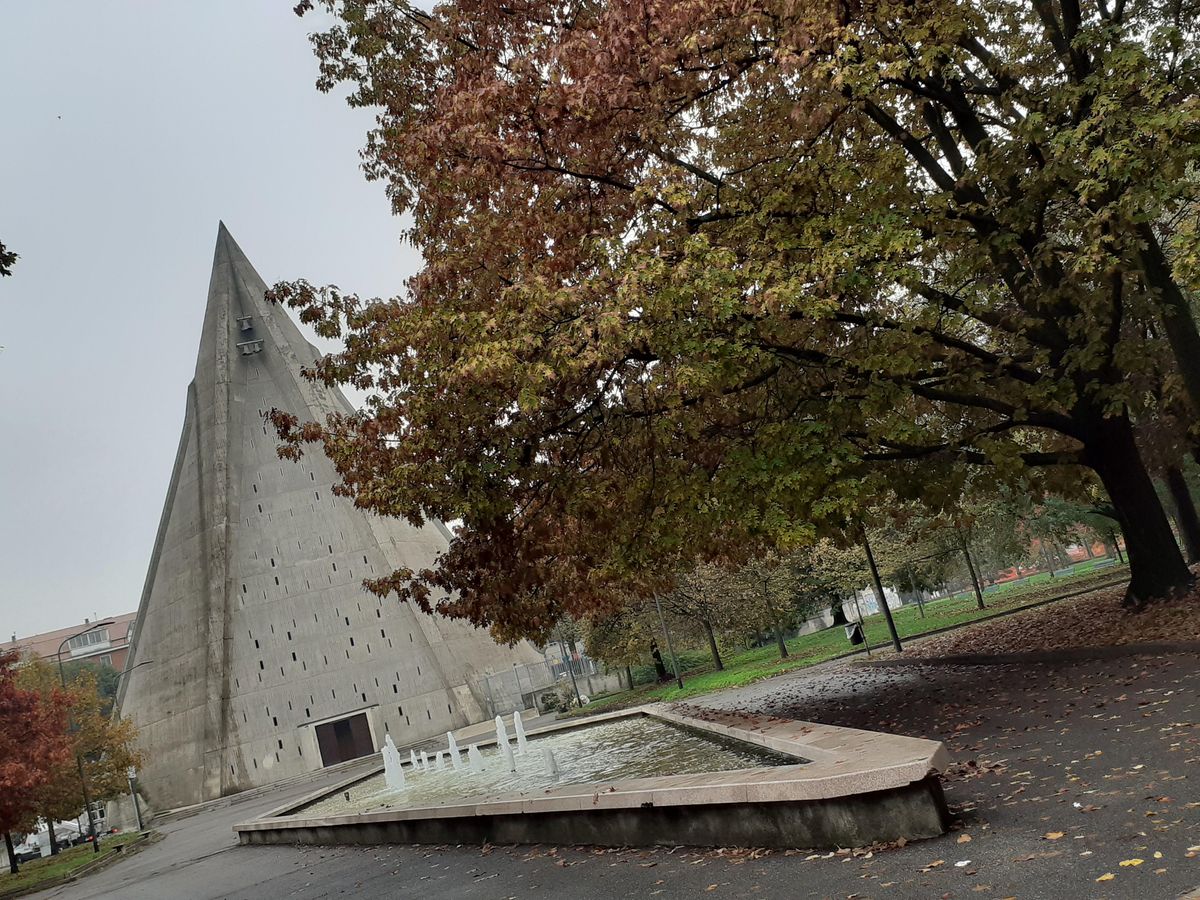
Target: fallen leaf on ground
x: 1107, y: 876
x: 1126, y: 863
x: 1053, y: 835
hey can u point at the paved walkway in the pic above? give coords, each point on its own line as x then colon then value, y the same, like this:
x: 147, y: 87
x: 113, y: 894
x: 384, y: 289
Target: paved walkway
x: 1062, y: 772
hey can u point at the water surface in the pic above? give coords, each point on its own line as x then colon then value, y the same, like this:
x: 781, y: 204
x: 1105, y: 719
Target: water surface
x: 633, y: 747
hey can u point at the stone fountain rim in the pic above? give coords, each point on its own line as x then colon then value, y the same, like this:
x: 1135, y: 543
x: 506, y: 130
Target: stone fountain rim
x: 840, y: 762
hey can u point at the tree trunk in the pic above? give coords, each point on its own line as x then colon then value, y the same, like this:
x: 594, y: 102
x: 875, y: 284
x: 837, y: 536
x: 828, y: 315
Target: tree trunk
x: 1062, y: 556
x: 1185, y: 513
x: 1046, y: 560
x: 966, y: 552
x: 712, y: 647
x: 912, y: 585
x: 12, y: 853
x: 779, y: 642
x: 1116, y: 542
x: 1156, y: 566
x: 1175, y: 312
x: 629, y: 677
x: 839, y: 613
x: 52, y: 835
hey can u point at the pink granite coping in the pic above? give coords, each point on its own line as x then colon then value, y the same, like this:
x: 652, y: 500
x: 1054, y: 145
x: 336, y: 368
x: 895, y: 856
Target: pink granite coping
x: 839, y: 762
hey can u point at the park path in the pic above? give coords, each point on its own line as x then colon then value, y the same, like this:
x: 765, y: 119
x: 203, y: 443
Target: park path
x: 1062, y: 771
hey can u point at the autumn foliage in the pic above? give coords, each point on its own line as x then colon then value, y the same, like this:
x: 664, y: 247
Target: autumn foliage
x: 704, y: 274
x: 105, y: 744
x: 34, y: 746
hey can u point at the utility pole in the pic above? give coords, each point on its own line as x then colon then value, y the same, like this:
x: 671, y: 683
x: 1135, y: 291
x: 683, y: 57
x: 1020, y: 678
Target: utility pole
x: 878, y: 586
x: 87, y: 803
x: 670, y: 646
x: 131, y: 774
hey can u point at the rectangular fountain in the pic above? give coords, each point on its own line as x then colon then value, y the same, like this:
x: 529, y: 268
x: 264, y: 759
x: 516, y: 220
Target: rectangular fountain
x: 653, y: 775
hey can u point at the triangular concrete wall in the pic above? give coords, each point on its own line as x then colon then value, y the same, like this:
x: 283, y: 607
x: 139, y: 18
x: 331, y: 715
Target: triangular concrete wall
x: 254, y: 625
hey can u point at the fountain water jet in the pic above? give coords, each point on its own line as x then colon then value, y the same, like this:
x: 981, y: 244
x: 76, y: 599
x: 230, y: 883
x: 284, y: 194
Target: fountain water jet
x: 412, y: 760
x: 519, y: 727
x: 475, y: 758
x: 393, y: 769
x: 455, y: 760
x: 505, y: 746
x: 424, y: 762
x: 548, y: 759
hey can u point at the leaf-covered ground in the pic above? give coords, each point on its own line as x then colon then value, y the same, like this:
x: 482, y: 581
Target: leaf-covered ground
x: 1063, y: 773
x: 748, y: 666
x: 1092, y: 620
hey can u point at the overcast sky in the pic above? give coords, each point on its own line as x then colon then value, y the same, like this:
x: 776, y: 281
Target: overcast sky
x: 129, y: 129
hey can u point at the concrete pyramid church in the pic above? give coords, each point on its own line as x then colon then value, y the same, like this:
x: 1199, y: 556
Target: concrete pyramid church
x: 269, y: 659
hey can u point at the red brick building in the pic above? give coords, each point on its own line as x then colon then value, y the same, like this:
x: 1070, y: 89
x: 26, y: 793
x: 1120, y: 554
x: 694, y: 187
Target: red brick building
x: 108, y: 644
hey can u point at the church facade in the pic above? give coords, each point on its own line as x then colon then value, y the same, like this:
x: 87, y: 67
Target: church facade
x: 257, y: 653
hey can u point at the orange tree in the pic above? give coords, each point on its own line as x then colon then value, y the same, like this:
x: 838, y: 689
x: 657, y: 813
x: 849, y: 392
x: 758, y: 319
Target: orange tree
x: 693, y: 270
x: 105, y: 744
x: 34, y: 748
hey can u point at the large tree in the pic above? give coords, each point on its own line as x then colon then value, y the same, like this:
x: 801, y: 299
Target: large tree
x: 694, y: 269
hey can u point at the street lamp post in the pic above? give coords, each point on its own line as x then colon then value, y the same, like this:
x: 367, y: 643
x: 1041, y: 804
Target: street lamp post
x: 670, y: 647
x: 568, y: 662
x: 131, y: 772
x: 87, y: 803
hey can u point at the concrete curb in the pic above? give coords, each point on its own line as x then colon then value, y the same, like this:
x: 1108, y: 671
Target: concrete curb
x: 126, y: 850
x: 167, y: 816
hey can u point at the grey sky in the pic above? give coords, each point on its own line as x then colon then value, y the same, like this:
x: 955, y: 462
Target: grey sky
x: 129, y: 129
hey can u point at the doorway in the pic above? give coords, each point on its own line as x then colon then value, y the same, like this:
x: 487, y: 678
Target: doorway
x: 344, y: 739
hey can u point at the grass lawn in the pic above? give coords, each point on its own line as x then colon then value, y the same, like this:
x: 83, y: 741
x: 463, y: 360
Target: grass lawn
x: 51, y: 868
x: 748, y: 666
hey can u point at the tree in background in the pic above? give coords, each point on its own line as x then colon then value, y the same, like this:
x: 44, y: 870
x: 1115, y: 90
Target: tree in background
x: 103, y: 744
x: 33, y: 750
x: 625, y: 638
x: 106, y: 677
x: 700, y: 597
x: 7, y: 260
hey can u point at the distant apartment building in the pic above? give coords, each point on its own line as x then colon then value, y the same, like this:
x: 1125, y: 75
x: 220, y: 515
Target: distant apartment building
x: 105, y: 645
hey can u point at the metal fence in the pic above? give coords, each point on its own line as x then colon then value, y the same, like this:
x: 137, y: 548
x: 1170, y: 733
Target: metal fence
x: 522, y: 686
